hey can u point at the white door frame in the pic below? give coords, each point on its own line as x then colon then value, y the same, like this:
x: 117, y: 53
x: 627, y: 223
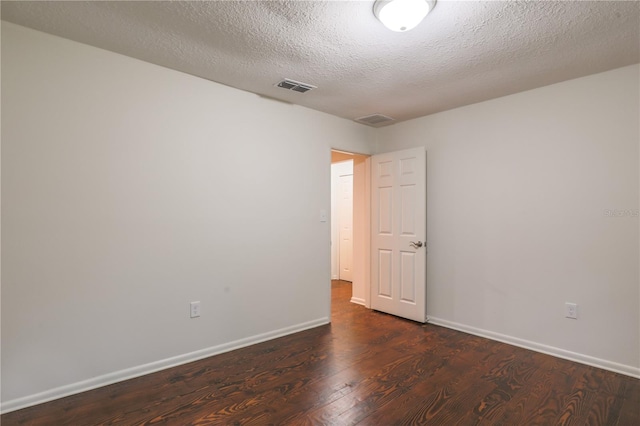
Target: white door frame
x: 361, y: 228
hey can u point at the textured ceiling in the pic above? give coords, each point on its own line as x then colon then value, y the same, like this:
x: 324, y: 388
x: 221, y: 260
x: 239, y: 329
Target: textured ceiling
x: 464, y: 52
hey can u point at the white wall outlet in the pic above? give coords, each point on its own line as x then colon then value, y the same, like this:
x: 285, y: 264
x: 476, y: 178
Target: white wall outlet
x: 195, y: 309
x: 571, y: 310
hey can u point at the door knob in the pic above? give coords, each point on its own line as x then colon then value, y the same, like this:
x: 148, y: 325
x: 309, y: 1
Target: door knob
x: 416, y: 245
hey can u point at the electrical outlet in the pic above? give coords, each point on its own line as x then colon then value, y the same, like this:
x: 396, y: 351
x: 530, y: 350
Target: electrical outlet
x: 571, y: 310
x: 195, y: 309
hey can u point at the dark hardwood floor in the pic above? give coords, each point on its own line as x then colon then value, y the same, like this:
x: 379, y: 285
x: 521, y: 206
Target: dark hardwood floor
x: 366, y: 368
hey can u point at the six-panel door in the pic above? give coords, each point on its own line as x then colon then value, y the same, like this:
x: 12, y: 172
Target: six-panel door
x: 398, y: 232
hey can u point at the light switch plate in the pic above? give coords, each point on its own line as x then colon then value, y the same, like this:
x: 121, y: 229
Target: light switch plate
x: 195, y: 309
x: 571, y: 310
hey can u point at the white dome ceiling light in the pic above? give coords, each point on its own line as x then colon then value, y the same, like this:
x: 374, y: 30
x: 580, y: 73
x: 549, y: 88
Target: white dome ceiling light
x: 402, y: 15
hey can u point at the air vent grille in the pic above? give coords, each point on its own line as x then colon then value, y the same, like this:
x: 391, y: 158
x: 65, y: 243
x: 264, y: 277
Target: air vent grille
x: 296, y: 86
x: 375, y: 120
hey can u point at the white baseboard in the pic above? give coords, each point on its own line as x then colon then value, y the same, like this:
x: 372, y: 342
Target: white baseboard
x: 141, y: 370
x: 357, y: 300
x: 627, y: 370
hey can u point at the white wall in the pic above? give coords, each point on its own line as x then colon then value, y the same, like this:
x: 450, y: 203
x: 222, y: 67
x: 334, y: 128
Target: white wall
x: 361, y: 230
x: 129, y: 190
x: 518, y: 190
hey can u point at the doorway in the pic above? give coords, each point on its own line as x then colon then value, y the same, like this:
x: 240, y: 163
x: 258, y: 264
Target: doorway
x: 342, y: 220
x: 397, y: 280
x: 350, y: 232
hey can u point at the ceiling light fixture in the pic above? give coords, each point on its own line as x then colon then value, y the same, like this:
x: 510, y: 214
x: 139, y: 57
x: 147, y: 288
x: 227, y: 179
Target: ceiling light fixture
x: 402, y: 15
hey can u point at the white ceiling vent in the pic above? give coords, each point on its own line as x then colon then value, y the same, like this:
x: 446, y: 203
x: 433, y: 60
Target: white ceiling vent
x: 296, y: 86
x: 375, y: 120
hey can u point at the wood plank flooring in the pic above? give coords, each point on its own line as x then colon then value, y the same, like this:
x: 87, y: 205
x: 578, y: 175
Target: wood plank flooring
x: 365, y: 368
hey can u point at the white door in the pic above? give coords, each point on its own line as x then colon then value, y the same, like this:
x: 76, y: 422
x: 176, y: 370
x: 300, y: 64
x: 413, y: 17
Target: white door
x: 345, y: 223
x: 398, y: 233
